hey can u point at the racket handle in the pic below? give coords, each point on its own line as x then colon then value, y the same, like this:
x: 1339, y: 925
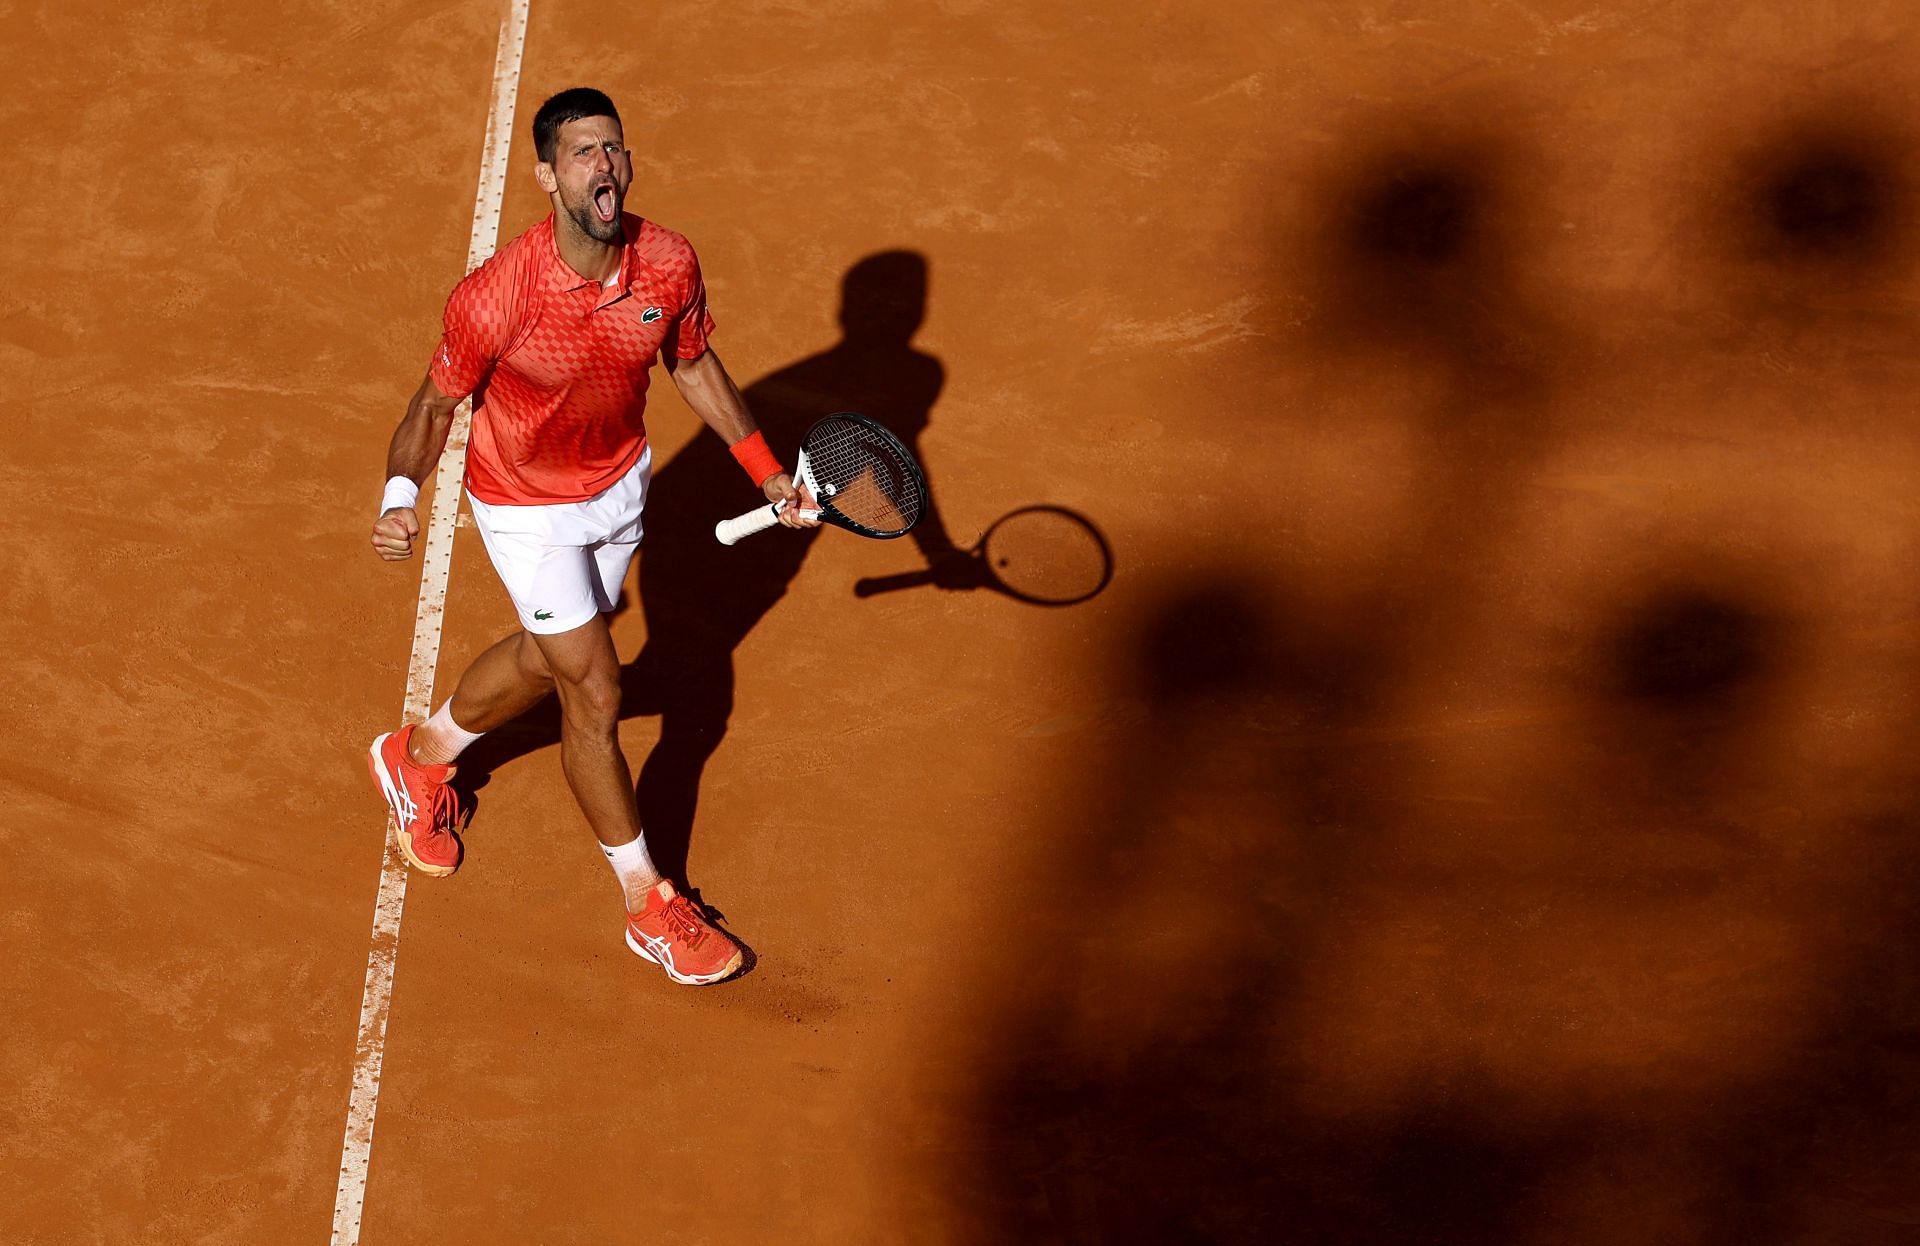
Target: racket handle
x: 874, y: 584
x: 759, y: 519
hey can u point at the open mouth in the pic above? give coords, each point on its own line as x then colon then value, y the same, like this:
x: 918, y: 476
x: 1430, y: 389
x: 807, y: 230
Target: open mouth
x: 605, y: 204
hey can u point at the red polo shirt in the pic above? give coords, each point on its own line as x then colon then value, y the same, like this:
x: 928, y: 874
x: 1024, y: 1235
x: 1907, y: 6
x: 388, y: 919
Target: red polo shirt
x: 558, y: 365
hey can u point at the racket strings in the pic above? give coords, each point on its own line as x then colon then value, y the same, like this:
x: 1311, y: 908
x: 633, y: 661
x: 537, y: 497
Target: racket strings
x: 864, y: 475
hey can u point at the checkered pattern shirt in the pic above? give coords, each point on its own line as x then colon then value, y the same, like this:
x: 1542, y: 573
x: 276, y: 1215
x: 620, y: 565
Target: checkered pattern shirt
x: 558, y: 365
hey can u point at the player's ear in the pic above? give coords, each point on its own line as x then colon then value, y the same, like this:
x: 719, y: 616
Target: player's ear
x: 543, y: 174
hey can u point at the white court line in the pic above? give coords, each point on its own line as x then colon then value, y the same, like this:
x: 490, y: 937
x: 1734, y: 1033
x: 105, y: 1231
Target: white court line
x: 349, y: 1198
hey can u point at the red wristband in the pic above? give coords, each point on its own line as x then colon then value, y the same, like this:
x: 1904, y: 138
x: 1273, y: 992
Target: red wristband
x: 752, y: 454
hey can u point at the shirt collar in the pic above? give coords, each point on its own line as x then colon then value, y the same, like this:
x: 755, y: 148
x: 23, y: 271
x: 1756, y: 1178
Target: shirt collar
x: 560, y: 274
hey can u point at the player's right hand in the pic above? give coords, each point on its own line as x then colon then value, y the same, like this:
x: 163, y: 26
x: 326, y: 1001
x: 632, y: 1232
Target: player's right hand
x: 797, y: 507
x: 393, y: 534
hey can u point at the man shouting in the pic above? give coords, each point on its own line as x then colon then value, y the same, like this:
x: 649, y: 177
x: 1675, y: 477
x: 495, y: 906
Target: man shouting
x: 555, y: 337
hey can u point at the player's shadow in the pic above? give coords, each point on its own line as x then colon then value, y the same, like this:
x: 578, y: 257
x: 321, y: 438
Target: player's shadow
x: 700, y: 599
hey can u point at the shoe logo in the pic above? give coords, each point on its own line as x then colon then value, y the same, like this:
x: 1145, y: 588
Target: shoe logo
x: 543, y: 614
x: 398, y: 797
x: 650, y: 315
x: 661, y: 949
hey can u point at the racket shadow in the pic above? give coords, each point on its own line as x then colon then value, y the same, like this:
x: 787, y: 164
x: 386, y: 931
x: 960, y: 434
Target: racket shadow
x: 700, y: 601
x: 1042, y: 555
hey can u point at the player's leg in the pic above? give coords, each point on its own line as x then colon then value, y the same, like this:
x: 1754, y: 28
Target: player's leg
x: 662, y: 925
x: 412, y: 767
x: 551, y: 586
x: 562, y: 566
x: 506, y: 681
x: 586, y: 675
x: 540, y: 555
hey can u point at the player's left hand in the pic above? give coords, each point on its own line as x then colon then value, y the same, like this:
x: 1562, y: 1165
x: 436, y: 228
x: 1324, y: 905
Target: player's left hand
x: 800, y: 509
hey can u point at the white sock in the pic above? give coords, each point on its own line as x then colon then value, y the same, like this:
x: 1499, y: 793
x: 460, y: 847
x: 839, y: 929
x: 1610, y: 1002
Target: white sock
x: 634, y: 868
x: 439, y: 740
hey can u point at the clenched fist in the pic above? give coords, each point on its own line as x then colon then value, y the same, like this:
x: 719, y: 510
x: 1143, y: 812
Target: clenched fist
x: 394, y: 532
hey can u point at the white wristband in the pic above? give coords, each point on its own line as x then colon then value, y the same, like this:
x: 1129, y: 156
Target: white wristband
x: 400, y: 492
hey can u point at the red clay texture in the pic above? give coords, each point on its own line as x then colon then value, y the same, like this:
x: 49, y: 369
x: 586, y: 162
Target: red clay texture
x: 1481, y: 808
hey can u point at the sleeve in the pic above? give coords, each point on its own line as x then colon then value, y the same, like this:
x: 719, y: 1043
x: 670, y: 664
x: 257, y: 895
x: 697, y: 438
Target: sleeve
x: 695, y: 323
x: 477, y: 327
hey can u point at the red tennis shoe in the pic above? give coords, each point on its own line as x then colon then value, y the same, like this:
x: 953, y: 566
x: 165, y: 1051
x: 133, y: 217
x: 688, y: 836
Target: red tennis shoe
x: 673, y: 934
x: 425, y: 809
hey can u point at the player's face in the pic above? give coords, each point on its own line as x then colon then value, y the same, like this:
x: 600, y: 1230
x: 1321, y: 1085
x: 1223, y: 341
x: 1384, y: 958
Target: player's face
x: 592, y: 169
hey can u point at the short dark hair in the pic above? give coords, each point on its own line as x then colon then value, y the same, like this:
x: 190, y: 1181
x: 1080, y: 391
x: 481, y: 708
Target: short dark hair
x: 572, y: 104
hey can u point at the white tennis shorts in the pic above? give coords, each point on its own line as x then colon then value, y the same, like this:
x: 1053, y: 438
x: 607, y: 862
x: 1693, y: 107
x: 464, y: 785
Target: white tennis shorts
x: 563, y: 564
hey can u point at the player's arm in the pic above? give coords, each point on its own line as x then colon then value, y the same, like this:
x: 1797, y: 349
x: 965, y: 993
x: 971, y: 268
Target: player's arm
x: 704, y: 383
x: 412, y: 455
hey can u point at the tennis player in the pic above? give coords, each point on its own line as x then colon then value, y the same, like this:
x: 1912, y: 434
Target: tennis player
x: 554, y: 337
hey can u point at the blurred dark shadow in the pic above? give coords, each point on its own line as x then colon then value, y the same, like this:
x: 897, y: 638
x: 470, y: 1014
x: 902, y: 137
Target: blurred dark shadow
x: 1289, y: 980
x: 700, y: 599
x: 1824, y: 191
x: 1420, y: 247
x: 1813, y: 220
x: 1165, y: 1080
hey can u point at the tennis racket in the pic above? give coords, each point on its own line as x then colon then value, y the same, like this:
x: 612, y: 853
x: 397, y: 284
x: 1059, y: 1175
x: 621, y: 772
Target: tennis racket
x: 862, y: 477
x: 1042, y: 555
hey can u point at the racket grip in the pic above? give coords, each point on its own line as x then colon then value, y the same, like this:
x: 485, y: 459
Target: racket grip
x: 759, y: 519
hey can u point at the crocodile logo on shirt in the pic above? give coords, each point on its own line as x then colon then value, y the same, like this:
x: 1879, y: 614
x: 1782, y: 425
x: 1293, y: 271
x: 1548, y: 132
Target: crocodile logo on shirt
x: 650, y: 315
x: 543, y: 614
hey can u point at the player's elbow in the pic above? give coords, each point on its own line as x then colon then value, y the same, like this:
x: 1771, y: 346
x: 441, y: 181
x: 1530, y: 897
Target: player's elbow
x: 696, y: 369
x: 435, y: 410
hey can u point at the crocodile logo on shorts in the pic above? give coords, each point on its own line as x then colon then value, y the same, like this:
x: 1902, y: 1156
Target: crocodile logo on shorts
x: 650, y: 315
x: 543, y: 615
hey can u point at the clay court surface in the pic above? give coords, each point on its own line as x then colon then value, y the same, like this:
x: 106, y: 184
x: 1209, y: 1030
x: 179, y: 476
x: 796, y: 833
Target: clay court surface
x: 1481, y: 808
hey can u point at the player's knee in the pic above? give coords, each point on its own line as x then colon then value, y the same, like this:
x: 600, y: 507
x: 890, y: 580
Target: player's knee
x: 594, y: 701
